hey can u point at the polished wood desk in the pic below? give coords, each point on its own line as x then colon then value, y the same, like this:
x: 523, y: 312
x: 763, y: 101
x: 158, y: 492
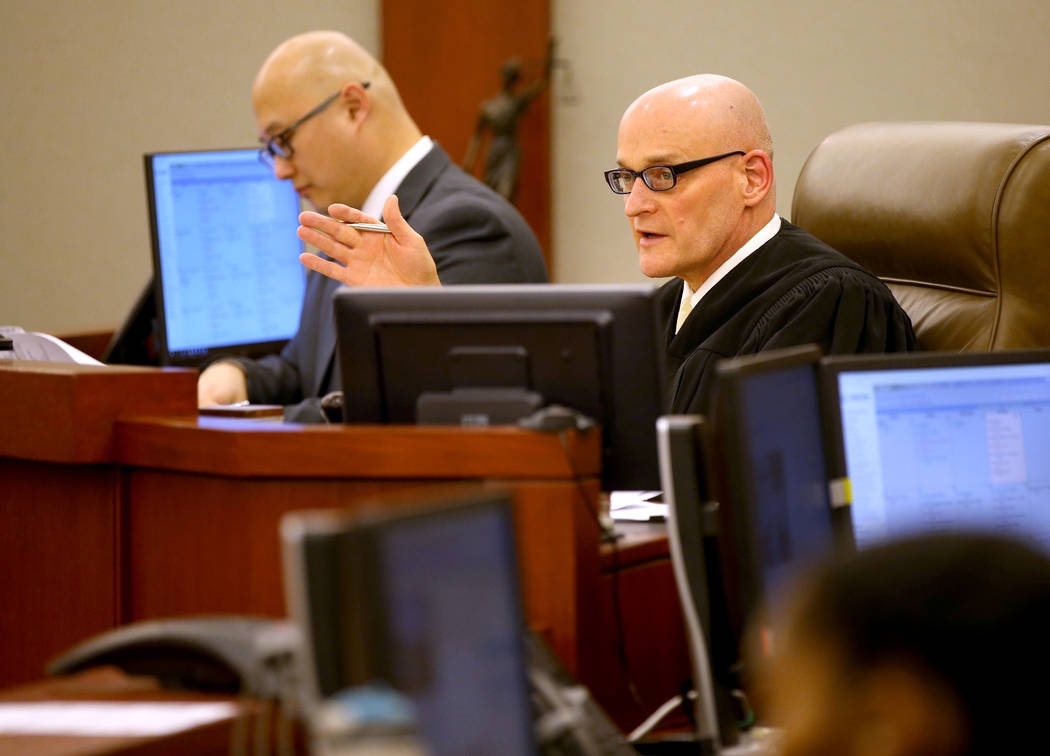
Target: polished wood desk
x: 118, y: 503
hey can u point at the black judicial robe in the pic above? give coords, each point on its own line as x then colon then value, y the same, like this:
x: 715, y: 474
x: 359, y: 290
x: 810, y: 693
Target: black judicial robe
x: 792, y: 290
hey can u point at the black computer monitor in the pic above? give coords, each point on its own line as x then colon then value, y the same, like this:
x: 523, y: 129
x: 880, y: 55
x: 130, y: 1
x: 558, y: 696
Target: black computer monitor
x: 134, y: 342
x: 749, y: 503
x: 943, y: 441
x: 425, y: 598
x: 684, y: 448
x: 596, y: 349
x: 226, y: 265
x: 769, y: 475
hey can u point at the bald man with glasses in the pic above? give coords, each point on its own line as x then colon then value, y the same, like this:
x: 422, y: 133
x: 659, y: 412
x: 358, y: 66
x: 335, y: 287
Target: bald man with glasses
x: 695, y: 170
x: 331, y: 121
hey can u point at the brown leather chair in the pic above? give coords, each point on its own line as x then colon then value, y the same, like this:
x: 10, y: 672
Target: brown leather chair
x: 954, y: 217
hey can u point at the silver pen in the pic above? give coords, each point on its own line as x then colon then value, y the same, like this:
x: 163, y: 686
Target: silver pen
x: 378, y: 227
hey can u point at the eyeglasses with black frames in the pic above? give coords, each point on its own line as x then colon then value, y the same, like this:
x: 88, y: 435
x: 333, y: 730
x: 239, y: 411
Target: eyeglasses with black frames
x: 280, y: 144
x: 659, y: 178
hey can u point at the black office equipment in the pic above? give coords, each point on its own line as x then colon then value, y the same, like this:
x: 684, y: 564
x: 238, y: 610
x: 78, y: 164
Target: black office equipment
x: 683, y: 446
x: 425, y: 600
x: 748, y: 499
x: 770, y: 476
x: 490, y: 354
x: 225, y: 255
x: 214, y: 653
x: 943, y: 441
x: 134, y: 342
x: 424, y: 597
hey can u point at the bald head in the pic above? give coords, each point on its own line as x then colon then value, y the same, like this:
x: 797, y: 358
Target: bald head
x: 316, y: 64
x: 364, y: 131
x: 718, y: 109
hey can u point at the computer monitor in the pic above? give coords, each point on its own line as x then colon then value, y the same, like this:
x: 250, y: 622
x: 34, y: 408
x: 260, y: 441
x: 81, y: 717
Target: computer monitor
x: 941, y: 441
x: 134, y: 341
x: 683, y: 446
x: 426, y: 598
x: 596, y: 349
x: 749, y: 503
x: 770, y: 474
x: 226, y: 265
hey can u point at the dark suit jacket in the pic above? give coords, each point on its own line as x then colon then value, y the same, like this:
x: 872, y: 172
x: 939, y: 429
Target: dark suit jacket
x: 474, y: 235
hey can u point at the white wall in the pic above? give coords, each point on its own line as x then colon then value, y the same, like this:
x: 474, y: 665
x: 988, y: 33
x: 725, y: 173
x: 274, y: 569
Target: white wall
x: 89, y: 85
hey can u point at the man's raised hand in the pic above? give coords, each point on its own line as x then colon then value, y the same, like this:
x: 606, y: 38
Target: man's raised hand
x: 367, y: 258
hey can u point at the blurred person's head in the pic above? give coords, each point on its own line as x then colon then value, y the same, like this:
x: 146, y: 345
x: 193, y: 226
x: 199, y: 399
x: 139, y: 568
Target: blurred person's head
x: 332, y: 117
x: 929, y: 645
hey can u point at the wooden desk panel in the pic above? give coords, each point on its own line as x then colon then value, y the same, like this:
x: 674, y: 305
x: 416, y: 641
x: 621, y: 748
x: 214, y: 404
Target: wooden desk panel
x: 66, y: 412
x: 637, y: 583
x: 240, y: 447
x: 58, y: 560
x: 145, y: 510
x: 558, y: 545
x: 184, y: 517
x: 216, y: 488
x: 200, y: 543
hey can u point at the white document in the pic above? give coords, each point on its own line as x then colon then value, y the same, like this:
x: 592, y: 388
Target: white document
x: 637, y: 506
x: 44, y: 347
x: 116, y: 719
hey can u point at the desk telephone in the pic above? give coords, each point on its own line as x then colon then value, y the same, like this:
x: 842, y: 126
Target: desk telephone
x: 250, y: 655
x: 220, y: 654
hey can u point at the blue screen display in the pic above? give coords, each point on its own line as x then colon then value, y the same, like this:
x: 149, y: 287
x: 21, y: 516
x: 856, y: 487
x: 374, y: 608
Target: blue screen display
x: 455, y: 631
x: 948, y: 448
x: 226, y: 250
x: 788, y: 482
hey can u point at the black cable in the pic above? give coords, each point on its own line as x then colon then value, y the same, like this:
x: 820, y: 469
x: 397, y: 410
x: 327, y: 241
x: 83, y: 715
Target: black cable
x: 609, y: 536
x: 621, y: 635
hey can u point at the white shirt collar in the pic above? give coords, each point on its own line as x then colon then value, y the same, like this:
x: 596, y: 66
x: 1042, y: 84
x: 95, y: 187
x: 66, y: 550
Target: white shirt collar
x: 764, y: 234
x: 392, y: 178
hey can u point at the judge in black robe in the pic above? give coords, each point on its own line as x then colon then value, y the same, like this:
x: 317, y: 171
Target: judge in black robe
x: 792, y: 290
x: 695, y: 170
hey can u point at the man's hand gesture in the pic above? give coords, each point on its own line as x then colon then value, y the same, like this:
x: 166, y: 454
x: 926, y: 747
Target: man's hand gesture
x: 367, y: 258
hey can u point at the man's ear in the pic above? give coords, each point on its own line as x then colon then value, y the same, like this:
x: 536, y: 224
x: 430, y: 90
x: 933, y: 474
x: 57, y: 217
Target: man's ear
x: 906, y: 713
x: 356, y: 101
x: 758, y: 172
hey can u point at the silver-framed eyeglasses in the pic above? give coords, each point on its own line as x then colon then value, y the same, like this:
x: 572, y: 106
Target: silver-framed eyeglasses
x: 280, y: 144
x: 659, y: 178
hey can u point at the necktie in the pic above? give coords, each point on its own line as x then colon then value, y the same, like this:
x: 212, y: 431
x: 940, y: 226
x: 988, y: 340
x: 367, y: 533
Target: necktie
x: 684, y: 308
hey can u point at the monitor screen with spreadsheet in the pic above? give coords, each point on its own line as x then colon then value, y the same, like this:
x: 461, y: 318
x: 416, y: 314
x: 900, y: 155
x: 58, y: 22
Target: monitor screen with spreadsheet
x: 944, y: 442
x: 225, y: 254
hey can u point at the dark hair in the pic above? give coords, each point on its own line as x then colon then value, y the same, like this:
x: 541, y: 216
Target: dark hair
x: 970, y: 610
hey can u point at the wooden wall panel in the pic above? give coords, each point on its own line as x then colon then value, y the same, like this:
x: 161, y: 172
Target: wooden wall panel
x: 445, y: 58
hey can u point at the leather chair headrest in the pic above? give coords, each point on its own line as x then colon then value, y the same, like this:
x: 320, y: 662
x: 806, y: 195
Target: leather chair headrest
x: 954, y: 216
